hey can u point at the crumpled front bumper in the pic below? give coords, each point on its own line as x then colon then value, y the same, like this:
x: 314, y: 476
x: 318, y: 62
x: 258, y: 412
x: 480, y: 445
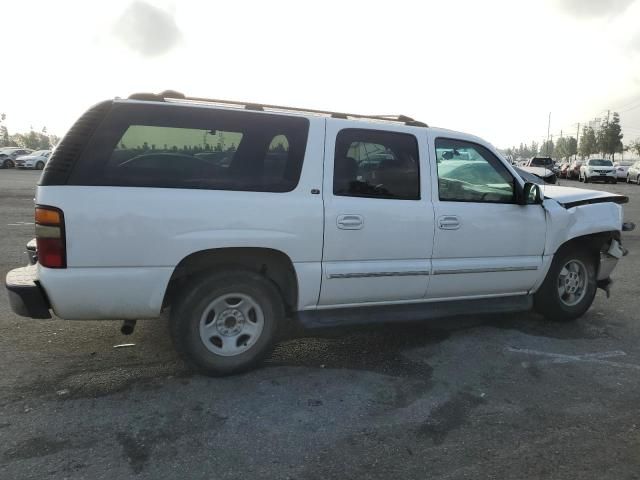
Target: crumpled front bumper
x: 609, y: 259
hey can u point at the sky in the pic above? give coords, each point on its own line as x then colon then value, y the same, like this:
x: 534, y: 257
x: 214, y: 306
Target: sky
x: 494, y: 68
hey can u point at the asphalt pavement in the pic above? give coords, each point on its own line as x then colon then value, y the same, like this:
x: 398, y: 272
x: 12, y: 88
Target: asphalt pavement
x: 504, y: 397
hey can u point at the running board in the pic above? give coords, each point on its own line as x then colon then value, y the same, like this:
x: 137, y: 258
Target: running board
x: 410, y: 312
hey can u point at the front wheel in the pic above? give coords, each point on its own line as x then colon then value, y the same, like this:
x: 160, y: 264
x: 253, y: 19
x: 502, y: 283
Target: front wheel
x: 8, y: 163
x: 226, y: 322
x: 39, y: 165
x: 570, y: 286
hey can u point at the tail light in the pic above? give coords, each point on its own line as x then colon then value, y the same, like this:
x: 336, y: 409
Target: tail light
x: 50, y: 237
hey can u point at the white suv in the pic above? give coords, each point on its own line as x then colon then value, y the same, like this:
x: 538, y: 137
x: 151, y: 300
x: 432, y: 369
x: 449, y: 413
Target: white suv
x: 598, y: 169
x: 633, y: 174
x: 239, y: 219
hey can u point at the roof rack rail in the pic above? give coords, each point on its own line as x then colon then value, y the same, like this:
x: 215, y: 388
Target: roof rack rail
x: 173, y: 95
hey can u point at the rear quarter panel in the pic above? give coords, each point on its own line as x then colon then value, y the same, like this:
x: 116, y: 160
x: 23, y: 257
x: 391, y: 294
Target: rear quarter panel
x: 124, y: 242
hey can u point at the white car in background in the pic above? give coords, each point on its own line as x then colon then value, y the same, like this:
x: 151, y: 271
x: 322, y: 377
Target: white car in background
x: 35, y: 160
x: 598, y: 169
x: 633, y: 173
x: 8, y: 155
x: 621, y: 168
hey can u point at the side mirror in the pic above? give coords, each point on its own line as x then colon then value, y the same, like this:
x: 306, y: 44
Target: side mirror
x: 531, y: 195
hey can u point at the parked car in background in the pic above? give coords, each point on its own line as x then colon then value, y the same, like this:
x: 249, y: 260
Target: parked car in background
x: 562, y: 168
x: 8, y: 155
x: 621, y: 168
x: 541, y: 167
x: 544, y: 162
x: 35, y: 160
x: 573, y: 172
x: 633, y: 173
x: 598, y: 169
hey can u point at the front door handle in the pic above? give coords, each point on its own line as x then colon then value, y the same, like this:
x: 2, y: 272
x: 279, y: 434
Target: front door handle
x: 448, y: 222
x: 350, y: 222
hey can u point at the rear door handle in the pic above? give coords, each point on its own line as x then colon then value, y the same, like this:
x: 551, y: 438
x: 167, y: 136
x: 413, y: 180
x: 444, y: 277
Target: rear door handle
x: 350, y: 222
x: 448, y: 222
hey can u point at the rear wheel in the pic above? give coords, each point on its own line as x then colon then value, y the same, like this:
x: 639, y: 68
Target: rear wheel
x: 39, y: 165
x: 570, y: 286
x: 226, y: 322
x: 8, y: 163
x: 638, y: 180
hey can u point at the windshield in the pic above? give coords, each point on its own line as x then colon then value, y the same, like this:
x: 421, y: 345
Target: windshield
x: 600, y: 163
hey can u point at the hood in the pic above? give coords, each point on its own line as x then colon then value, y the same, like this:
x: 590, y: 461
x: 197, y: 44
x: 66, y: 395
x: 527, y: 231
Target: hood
x: 570, y: 197
x: 538, y: 171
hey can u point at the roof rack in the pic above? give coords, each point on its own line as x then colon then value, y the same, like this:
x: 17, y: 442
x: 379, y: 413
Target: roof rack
x: 173, y: 95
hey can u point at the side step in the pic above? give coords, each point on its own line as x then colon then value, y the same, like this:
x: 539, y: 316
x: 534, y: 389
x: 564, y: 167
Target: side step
x: 412, y: 311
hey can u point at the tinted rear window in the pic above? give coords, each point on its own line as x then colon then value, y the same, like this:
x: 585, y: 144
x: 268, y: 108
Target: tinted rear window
x: 175, y: 146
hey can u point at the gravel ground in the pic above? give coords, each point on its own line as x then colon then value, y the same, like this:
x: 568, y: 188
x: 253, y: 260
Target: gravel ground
x: 506, y: 397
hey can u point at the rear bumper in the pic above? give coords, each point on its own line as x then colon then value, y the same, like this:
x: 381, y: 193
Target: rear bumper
x: 26, y: 297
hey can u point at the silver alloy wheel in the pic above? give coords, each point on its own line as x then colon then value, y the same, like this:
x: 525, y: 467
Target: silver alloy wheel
x: 231, y: 324
x: 572, y: 282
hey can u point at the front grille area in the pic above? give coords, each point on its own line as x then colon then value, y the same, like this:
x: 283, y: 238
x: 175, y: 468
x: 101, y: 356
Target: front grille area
x: 67, y: 152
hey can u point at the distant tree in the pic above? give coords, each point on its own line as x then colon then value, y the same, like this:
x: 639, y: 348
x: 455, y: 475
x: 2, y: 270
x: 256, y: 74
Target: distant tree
x: 560, y: 149
x: 572, y: 147
x: 4, y: 133
x: 614, y: 136
x: 588, y: 143
x: 601, y: 140
x: 635, y: 146
x: 534, y: 149
x: 546, y: 148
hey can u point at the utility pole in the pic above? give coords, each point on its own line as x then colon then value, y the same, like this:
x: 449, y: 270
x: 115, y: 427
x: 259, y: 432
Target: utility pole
x: 548, y: 129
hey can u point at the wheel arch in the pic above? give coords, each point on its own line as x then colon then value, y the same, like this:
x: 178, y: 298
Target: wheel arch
x: 592, y: 242
x: 271, y: 263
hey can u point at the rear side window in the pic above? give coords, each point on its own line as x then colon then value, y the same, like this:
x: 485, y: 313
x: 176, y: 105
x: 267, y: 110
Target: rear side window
x: 174, y: 146
x: 376, y: 164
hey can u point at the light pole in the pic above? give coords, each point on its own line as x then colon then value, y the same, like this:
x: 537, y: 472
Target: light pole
x: 548, y: 129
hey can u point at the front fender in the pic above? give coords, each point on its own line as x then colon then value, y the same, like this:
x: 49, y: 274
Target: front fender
x: 566, y: 224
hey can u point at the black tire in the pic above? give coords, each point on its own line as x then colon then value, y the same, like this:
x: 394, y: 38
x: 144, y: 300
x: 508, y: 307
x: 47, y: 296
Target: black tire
x: 548, y: 301
x: 586, y: 179
x: 614, y: 181
x: 39, y: 165
x: 638, y: 180
x: 198, y: 294
x: 8, y: 163
x: 628, y: 179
